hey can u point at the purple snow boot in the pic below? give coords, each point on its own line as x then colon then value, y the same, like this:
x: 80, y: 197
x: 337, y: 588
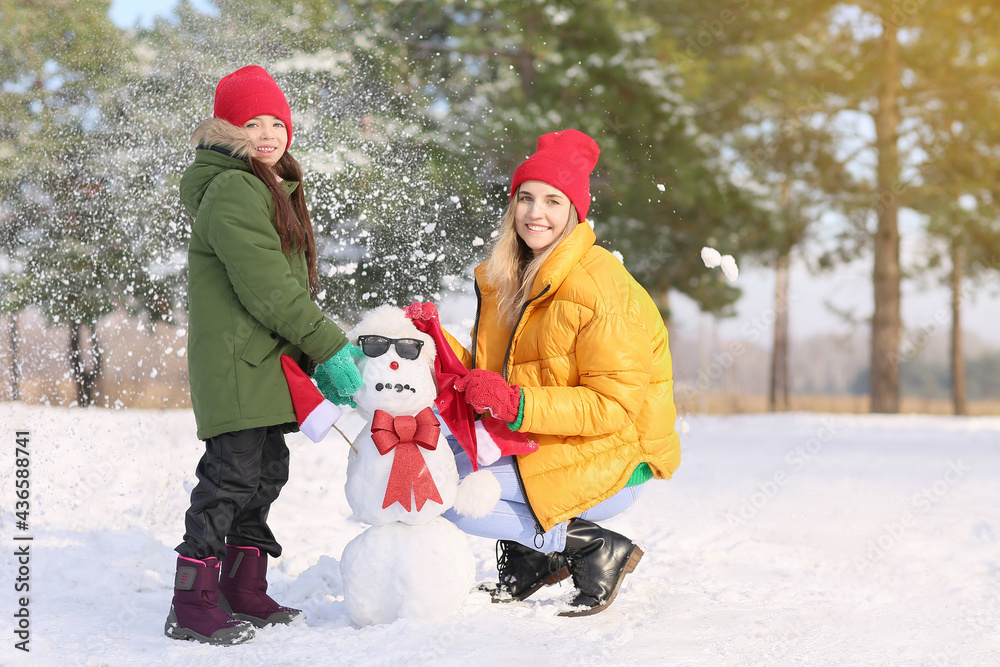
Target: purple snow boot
x: 194, y: 611
x: 243, y: 589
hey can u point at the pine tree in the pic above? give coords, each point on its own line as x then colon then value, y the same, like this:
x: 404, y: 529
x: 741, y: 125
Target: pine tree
x: 55, y: 68
x: 957, y: 186
x: 886, y: 65
x: 607, y: 68
x: 771, y: 123
x: 390, y: 192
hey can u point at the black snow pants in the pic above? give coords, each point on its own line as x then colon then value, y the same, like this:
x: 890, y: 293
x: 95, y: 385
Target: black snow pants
x: 239, y: 476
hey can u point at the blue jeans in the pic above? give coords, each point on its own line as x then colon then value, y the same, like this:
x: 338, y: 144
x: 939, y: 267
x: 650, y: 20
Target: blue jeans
x: 511, y: 518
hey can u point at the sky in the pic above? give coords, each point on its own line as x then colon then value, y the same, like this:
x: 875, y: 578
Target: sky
x: 848, y: 288
x: 128, y: 13
x: 925, y: 305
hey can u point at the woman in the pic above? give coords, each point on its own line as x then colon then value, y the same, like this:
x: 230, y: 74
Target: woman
x: 252, y: 275
x: 570, y: 349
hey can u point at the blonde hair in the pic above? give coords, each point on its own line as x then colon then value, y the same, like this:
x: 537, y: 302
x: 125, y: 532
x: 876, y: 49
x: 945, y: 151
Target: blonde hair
x: 512, y: 266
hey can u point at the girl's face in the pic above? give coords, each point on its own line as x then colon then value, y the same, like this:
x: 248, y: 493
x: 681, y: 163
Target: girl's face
x: 541, y: 214
x: 269, y: 136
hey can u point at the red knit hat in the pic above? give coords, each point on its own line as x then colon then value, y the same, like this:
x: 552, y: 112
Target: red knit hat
x: 563, y: 160
x: 249, y: 92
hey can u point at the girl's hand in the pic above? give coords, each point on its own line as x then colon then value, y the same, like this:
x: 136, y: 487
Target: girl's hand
x: 338, y: 377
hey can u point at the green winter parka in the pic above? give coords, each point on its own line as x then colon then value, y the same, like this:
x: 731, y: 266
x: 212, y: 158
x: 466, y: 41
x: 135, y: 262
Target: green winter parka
x: 249, y: 300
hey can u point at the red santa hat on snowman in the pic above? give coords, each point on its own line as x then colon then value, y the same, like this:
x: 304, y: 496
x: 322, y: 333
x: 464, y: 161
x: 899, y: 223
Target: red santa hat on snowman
x: 484, y: 440
x: 315, y: 414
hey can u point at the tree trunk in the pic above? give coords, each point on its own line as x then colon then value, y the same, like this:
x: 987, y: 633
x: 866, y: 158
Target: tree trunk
x: 886, y: 320
x: 76, y: 361
x: 704, y: 350
x: 84, y: 378
x: 15, y: 363
x: 525, y: 63
x: 98, y: 363
x: 663, y: 303
x: 778, y: 397
x: 958, y: 392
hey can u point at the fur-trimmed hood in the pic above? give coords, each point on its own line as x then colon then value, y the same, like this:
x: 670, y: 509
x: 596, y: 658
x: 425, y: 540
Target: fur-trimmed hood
x: 221, y: 147
x: 219, y: 132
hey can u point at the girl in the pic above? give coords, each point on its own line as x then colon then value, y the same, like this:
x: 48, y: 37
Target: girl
x: 570, y: 349
x: 252, y: 275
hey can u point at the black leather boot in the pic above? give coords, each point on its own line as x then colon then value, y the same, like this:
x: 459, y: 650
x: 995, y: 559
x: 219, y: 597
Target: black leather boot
x: 599, y: 559
x: 523, y: 571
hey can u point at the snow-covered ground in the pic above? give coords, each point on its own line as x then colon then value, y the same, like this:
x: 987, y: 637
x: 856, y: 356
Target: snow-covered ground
x: 782, y: 540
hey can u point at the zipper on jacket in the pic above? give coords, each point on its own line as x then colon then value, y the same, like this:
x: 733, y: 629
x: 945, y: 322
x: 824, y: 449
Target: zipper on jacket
x: 225, y: 151
x: 510, y: 343
x: 517, y: 468
x: 475, y: 325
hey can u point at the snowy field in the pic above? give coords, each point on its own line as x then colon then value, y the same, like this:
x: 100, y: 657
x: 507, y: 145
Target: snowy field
x: 783, y: 540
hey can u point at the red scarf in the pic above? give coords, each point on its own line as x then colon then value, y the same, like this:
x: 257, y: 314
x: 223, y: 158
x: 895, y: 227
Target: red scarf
x: 409, y: 470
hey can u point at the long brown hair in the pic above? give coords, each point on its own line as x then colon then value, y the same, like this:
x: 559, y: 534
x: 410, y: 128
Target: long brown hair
x: 512, y: 266
x: 291, y: 216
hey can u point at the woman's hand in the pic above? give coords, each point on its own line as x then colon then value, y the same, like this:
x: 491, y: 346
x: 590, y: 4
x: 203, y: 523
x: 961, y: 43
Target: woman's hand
x: 485, y: 390
x: 421, y: 311
x: 338, y: 377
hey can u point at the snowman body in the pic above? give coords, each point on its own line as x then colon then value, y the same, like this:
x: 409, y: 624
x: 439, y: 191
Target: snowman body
x: 411, y: 562
x: 365, y: 464
x: 421, y: 572
x: 405, y: 390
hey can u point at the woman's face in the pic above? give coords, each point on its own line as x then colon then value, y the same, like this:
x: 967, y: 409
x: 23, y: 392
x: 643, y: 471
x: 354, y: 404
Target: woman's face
x: 269, y: 136
x: 541, y: 214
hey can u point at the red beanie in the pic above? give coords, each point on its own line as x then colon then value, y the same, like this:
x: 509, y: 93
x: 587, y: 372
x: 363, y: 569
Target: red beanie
x: 250, y: 92
x: 563, y: 160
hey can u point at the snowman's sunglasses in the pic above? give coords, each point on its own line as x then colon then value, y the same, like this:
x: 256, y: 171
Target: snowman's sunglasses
x: 376, y: 346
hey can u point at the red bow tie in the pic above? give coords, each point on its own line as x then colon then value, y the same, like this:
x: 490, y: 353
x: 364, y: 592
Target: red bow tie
x: 409, y: 470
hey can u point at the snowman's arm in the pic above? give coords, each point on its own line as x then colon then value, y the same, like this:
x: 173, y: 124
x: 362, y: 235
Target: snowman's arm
x: 463, y: 355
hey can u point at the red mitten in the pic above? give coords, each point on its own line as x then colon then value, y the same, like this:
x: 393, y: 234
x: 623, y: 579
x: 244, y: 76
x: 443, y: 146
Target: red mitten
x: 486, y: 390
x: 421, y: 311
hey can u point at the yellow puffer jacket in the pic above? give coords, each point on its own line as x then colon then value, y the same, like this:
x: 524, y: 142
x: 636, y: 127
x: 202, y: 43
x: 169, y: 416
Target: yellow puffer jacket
x: 590, y: 354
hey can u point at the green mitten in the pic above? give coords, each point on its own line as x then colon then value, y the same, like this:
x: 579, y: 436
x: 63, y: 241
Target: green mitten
x: 338, y: 377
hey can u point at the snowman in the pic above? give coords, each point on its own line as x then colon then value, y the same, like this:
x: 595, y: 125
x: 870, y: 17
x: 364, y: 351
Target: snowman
x: 401, y: 476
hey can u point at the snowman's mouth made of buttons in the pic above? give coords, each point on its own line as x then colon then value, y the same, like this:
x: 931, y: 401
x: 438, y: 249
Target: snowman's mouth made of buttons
x: 394, y: 387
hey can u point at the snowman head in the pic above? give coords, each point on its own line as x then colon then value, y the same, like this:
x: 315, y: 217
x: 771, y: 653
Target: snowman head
x: 398, y: 366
